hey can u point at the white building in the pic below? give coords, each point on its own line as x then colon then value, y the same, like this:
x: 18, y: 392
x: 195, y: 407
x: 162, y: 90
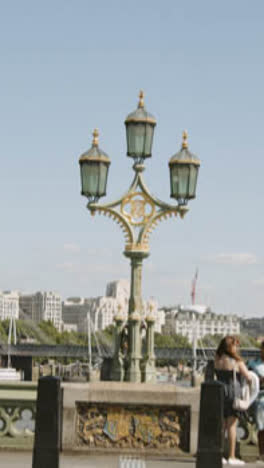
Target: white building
x: 43, y: 305
x: 103, y: 309
x: 74, y: 311
x: 198, y: 321
x: 9, y: 304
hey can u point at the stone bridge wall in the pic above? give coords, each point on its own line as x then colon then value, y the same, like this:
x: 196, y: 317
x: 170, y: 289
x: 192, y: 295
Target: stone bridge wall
x: 113, y: 416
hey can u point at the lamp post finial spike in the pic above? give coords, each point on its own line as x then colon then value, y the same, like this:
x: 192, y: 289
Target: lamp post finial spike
x: 141, y: 99
x: 185, y: 139
x: 95, y: 137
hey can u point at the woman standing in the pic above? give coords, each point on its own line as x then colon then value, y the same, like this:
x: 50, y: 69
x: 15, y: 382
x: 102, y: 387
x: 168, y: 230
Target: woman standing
x: 227, y: 359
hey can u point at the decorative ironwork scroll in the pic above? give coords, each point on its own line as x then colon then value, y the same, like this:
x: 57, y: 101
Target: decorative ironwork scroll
x: 138, y: 212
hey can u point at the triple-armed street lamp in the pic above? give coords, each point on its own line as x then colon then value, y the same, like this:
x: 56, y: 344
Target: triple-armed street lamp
x: 137, y: 212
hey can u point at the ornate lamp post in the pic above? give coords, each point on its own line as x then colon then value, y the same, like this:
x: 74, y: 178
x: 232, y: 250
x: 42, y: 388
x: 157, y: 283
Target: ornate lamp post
x: 137, y: 213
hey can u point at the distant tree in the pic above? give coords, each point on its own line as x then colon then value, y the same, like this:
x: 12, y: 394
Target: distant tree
x: 171, y: 341
x: 212, y: 341
x: 3, y: 334
x: 247, y: 341
x: 49, y: 330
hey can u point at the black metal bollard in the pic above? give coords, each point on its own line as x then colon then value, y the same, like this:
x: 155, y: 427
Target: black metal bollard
x: 47, y: 442
x: 210, y: 437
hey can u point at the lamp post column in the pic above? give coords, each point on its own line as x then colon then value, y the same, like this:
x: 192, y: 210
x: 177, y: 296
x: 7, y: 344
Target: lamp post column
x: 117, y: 371
x: 135, y: 312
x: 149, y: 374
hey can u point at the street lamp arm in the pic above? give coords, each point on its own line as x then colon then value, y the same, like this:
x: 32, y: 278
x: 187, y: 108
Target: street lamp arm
x: 137, y: 212
x: 114, y: 204
x: 181, y: 209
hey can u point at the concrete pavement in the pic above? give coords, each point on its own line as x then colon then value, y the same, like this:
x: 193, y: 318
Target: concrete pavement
x: 24, y: 460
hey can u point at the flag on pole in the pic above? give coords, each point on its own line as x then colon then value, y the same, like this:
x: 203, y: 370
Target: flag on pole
x: 193, y: 290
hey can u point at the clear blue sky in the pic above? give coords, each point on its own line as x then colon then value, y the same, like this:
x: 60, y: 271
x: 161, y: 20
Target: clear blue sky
x: 70, y: 66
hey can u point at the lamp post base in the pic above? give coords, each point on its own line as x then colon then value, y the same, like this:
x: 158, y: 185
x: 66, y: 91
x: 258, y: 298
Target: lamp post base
x: 134, y: 372
x: 117, y: 369
x: 149, y: 372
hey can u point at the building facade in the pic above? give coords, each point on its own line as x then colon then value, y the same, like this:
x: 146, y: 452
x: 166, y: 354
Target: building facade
x: 43, y: 305
x: 103, y: 309
x: 199, y: 321
x: 9, y: 305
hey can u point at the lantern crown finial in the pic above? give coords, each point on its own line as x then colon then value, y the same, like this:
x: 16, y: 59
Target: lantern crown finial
x: 95, y: 137
x: 184, y: 139
x: 141, y: 99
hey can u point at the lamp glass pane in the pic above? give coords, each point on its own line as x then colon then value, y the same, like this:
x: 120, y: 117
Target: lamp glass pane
x: 183, y: 184
x: 193, y: 180
x: 102, y: 179
x: 136, y: 135
x: 148, y: 140
x: 174, y: 180
x: 90, y: 178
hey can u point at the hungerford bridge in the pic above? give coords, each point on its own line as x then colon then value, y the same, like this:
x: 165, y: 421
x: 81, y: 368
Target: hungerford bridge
x: 22, y: 355
x: 81, y: 352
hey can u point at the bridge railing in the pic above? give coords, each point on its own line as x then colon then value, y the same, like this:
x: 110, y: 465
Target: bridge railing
x: 77, y: 352
x: 17, y: 413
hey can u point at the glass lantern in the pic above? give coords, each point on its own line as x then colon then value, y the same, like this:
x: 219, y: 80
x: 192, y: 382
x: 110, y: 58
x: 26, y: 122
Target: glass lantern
x: 139, y: 132
x: 184, y: 168
x: 94, y: 165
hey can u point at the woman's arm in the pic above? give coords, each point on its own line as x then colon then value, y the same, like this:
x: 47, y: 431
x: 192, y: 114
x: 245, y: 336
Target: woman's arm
x: 244, y: 371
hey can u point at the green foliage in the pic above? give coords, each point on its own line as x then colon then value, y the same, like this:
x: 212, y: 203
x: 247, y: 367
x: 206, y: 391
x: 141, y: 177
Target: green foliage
x: 247, y: 341
x: 3, y: 335
x: 110, y: 330
x: 49, y: 331
x: 43, y: 333
x: 171, y: 341
x: 212, y: 341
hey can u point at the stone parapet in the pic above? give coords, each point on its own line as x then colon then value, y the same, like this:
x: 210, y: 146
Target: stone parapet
x: 137, y: 401
x: 17, y: 414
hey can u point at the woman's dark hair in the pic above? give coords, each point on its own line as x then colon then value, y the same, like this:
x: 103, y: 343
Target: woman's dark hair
x: 226, y: 346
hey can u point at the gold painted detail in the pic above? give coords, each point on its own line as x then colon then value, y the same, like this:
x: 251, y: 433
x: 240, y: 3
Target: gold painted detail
x: 137, y: 247
x: 99, y: 158
x: 150, y: 318
x: 141, y: 99
x: 133, y: 427
x: 95, y: 137
x: 134, y: 317
x: 195, y: 162
x: 148, y: 118
x: 137, y: 208
x: 147, y: 427
x: 184, y: 139
x: 117, y: 424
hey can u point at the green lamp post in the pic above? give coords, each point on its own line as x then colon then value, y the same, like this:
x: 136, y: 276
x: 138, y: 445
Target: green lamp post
x: 137, y: 213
